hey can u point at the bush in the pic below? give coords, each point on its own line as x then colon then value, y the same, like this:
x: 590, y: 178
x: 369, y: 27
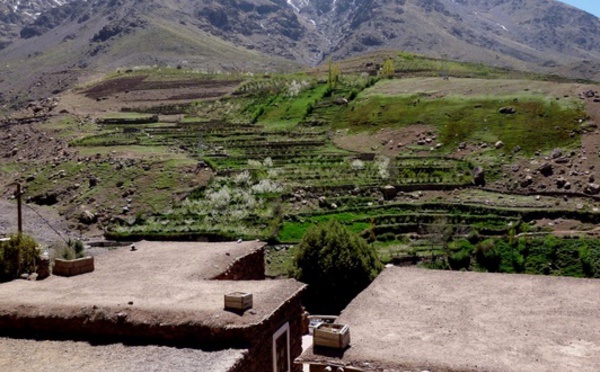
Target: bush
x: 69, y: 250
x: 336, y: 264
x: 17, y: 256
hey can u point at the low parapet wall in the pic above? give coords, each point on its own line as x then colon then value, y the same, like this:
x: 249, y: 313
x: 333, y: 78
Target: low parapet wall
x: 248, y: 267
x: 73, y: 267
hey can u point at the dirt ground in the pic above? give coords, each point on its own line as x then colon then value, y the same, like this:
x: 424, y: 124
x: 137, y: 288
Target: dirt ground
x: 132, y: 92
x: 40, y: 356
x: 159, y: 282
x: 466, y: 321
x: 41, y: 222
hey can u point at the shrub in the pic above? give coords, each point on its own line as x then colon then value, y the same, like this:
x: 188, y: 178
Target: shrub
x: 336, y: 264
x: 488, y: 256
x: 17, y: 256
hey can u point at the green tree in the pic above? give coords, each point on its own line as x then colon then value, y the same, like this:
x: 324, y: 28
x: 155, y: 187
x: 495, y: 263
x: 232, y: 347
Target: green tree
x: 336, y: 264
x: 17, y: 256
x: 388, y: 69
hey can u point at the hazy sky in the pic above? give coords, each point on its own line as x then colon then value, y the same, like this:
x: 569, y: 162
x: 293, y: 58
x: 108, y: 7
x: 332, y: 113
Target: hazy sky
x: 590, y: 6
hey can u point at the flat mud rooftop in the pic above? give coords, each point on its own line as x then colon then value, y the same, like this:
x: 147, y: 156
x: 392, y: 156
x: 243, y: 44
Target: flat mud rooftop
x: 160, y: 292
x: 415, y: 319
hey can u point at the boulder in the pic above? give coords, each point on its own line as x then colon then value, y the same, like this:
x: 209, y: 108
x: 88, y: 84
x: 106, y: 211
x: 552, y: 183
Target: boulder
x: 527, y: 181
x: 507, y: 110
x: 546, y: 169
x: 341, y: 101
x: 499, y: 145
x: 592, y: 189
x: 478, y: 176
x: 87, y: 217
x: 556, y: 153
x: 389, y: 192
x: 561, y: 182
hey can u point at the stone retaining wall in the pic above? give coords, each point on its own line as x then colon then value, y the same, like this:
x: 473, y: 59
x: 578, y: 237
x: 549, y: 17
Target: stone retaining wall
x: 73, y: 267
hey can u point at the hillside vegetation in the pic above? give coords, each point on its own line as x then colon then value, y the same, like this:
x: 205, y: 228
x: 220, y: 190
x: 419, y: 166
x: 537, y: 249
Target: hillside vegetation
x: 452, y: 165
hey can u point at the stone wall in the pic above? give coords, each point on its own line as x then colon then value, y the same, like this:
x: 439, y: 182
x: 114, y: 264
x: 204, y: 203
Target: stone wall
x: 73, y: 267
x: 249, y: 267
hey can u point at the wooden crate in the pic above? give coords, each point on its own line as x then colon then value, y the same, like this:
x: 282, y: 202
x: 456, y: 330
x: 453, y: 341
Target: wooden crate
x: 238, y: 301
x: 335, y: 336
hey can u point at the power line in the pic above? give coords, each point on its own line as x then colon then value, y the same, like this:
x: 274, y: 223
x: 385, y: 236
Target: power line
x: 47, y: 223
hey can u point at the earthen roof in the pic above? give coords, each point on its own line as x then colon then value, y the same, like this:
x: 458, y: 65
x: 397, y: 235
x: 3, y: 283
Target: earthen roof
x: 162, y: 283
x: 414, y: 319
x: 48, y: 355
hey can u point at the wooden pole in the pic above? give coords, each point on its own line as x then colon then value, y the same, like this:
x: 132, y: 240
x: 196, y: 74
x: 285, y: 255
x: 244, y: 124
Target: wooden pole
x: 20, y: 209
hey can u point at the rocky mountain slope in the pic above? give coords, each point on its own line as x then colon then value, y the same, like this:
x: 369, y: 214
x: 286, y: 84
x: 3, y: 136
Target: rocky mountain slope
x: 541, y: 35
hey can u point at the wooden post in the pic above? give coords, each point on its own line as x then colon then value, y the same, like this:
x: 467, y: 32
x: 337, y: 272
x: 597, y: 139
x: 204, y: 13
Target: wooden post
x: 19, y: 209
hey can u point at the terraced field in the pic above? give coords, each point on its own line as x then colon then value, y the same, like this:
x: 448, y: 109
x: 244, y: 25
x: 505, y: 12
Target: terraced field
x: 427, y: 169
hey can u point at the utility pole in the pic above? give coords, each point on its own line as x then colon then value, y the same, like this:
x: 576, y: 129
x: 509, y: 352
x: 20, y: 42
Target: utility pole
x: 19, y: 209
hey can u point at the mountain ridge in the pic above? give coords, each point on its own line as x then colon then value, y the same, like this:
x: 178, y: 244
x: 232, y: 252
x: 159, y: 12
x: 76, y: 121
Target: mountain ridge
x: 539, y: 35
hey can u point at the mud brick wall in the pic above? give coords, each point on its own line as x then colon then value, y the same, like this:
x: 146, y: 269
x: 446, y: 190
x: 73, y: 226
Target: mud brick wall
x: 92, y: 323
x: 73, y: 267
x: 249, y: 267
x: 260, y: 358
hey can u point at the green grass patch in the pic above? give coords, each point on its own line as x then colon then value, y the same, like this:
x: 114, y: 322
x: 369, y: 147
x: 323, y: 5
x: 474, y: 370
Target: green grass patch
x: 537, y: 124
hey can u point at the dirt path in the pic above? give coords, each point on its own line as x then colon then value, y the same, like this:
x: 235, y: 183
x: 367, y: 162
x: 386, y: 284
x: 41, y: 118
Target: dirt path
x: 38, y: 222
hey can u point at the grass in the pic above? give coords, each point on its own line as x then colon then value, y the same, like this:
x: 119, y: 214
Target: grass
x: 538, y: 123
x: 270, y: 146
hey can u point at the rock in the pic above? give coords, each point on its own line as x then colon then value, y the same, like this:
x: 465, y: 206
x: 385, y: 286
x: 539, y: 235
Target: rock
x: 527, y: 181
x: 341, y: 101
x: 561, y: 182
x: 589, y: 94
x: 545, y: 169
x: 499, y: 145
x: 333, y: 206
x: 478, y: 176
x: 322, y: 202
x: 33, y: 277
x: 507, y: 110
x: 93, y: 181
x: 556, y: 153
x: 389, y: 192
x: 592, y: 189
x: 515, y: 168
x: 561, y: 160
x: 87, y: 217
x: 516, y: 149
x: 568, y: 186
x: 462, y: 145
x: 43, y: 268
